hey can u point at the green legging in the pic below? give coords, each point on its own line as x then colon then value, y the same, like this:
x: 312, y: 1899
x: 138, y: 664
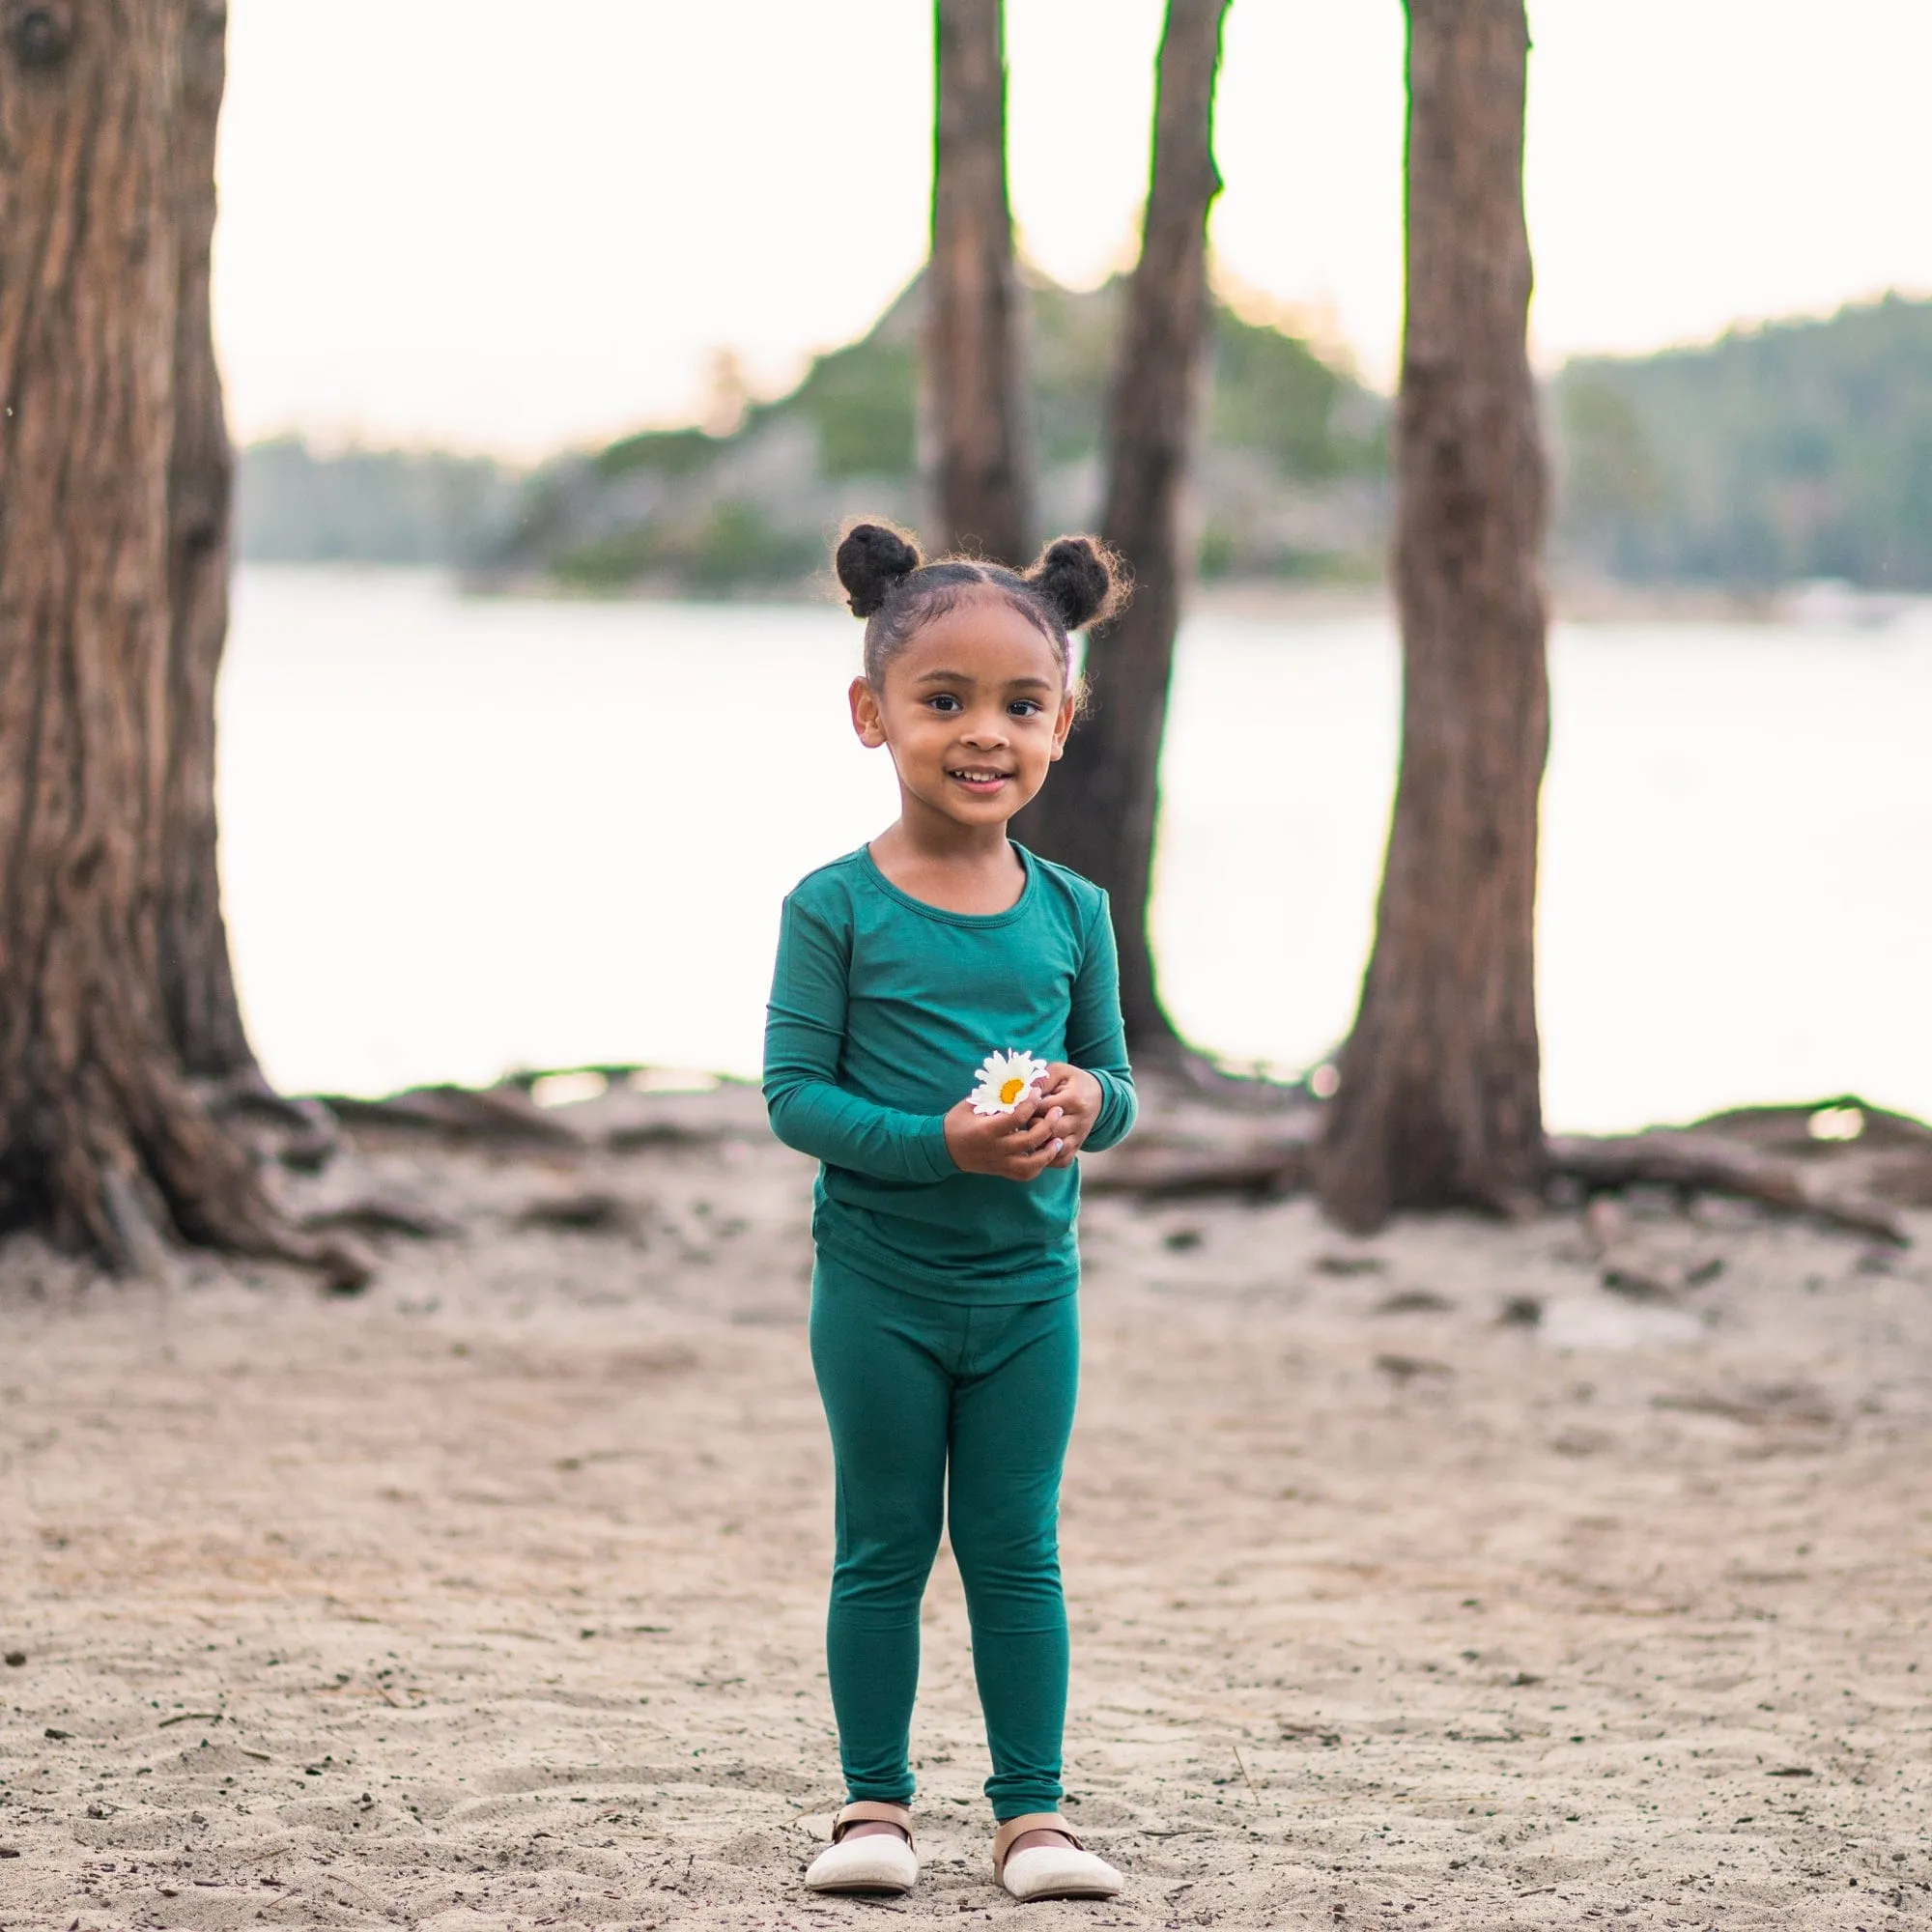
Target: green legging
x: 935, y: 1402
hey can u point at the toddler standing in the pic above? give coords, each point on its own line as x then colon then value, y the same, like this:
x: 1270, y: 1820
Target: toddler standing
x: 945, y: 1328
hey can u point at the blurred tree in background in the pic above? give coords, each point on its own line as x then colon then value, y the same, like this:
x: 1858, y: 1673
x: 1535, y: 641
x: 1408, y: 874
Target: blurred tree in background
x: 981, y: 477
x: 1440, y: 1098
x: 1101, y: 812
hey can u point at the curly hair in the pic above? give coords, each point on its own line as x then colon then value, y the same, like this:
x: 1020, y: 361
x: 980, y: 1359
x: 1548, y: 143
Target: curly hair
x: 1074, y: 582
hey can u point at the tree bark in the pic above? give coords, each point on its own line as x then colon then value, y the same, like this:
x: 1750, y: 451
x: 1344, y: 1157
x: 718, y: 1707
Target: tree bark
x: 1099, y: 812
x: 1438, y: 1102
x: 977, y: 457
x: 101, y: 1133
x: 197, y: 977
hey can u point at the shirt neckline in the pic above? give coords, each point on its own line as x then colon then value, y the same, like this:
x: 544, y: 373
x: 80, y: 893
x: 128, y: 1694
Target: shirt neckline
x: 945, y: 913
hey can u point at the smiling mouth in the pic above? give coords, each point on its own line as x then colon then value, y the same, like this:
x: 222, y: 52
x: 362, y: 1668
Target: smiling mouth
x: 977, y: 775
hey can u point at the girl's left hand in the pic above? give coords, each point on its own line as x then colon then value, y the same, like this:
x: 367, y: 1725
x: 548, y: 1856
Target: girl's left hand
x: 1078, y: 1097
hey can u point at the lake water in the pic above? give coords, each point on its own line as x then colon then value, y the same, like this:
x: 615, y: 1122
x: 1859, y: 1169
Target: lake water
x: 464, y: 836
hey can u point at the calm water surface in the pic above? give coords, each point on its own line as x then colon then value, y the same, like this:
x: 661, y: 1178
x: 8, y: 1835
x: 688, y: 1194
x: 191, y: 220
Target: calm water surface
x: 462, y: 835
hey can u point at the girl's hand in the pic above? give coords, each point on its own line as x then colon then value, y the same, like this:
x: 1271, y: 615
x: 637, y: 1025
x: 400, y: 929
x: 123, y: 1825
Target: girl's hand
x: 1013, y: 1146
x: 1075, y: 1094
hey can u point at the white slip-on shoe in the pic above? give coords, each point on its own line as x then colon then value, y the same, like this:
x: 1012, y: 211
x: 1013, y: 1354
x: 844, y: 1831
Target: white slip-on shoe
x: 877, y: 1862
x: 1050, y: 1871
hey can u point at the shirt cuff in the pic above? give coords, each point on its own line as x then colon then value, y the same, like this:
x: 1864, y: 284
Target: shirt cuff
x: 930, y: 1141
x: 1118, y: 1110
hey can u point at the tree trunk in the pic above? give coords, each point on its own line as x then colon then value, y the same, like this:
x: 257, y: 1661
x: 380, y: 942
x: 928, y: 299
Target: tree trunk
x: 101, y: 1134
x: 1098, y: 811
x: 197, y: 977
x: 974, y: 393
x: 1438, y: 1102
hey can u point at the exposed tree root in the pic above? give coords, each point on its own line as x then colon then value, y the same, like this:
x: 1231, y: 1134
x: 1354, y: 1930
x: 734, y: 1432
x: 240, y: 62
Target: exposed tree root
x: 505, y: 1115
x: 1804, y: 1127
x: 1261, y: 1172
x: 1198, y: 1075
x: 1694, y: 1160
x: 304, y: 1134
x: 178, y: 1176
x: 1701, y: 1162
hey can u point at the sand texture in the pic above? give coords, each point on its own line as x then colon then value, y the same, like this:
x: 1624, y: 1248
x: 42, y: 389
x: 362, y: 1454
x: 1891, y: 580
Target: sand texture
x: 492, y: 1599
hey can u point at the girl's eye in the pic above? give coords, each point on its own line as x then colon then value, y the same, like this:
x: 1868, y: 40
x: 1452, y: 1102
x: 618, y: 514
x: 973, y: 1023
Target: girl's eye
x: 1026, y: 707
x: 943, y: 700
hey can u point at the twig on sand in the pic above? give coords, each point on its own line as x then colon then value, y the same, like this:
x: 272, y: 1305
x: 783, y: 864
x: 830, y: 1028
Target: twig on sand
x: 379, y: 1214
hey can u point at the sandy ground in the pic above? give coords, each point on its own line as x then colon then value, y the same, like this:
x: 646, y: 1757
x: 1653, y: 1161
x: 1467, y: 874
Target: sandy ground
x: 492, y: 1599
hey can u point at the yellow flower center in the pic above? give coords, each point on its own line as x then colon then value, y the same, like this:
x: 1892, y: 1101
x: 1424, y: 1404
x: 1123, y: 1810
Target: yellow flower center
x: 1011, y: 1091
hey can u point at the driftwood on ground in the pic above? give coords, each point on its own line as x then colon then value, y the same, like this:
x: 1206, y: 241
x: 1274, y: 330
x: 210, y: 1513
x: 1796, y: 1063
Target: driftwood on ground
x: 1263, y: 1169
x: 505, y: 1115
x: 1770, y: 1155
x: 382, y: 1215
x: 1856, y: 1173
x: 1705, y: 1163
x: 620, y: 1121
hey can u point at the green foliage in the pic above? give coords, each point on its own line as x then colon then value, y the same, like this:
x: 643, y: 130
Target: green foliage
x: 1221, y: 554
x: 732, y: 545
x: 663, y: 452
x: 1273, y: 394
x: 1216, y: 556
x: 1071, y: 345
x: 737, y: 544
x: 860, y: 402
x: 1612, y: 469
x: 1798, y: 450
x: 613, y: 561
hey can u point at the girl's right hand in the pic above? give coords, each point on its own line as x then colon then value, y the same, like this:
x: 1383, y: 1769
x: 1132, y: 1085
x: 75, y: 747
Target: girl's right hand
x: 1013, y: 1146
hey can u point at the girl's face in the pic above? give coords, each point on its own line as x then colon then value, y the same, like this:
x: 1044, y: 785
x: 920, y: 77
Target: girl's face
x: 974, y: 709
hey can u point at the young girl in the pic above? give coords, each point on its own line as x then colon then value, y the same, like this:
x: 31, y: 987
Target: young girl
x: 944, y: 1331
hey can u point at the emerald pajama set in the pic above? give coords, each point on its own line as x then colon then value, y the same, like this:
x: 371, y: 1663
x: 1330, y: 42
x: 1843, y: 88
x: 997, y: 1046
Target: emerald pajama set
x: 944, y: 1326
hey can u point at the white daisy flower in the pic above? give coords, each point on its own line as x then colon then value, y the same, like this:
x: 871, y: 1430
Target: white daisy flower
x: 1005, y: 1080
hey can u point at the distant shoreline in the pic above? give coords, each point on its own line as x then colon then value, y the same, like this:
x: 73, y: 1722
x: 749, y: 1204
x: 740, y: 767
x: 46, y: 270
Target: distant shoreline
x: 1572, y: 599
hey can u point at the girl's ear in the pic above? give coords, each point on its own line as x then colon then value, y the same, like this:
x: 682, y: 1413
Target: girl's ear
x: 868, y: 720
x: 1064, y: 724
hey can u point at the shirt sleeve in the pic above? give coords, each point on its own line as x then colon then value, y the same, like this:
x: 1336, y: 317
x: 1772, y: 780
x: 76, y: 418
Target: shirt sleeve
x: 1096, y: 1040
x: 804, y: 1037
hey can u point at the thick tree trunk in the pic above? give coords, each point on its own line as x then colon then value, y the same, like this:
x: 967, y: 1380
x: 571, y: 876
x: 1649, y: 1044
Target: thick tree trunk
x: 101, y: 1134
x: 1098, y: 810
x: 975, y: 424
x: 1438, y: 1102
x: 197, y: 977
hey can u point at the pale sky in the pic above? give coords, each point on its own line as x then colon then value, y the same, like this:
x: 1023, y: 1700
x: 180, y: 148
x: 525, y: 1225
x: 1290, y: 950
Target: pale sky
x: 499, y: 227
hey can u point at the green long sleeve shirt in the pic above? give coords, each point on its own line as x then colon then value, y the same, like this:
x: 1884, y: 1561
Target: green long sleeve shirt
x: 882, y: 1010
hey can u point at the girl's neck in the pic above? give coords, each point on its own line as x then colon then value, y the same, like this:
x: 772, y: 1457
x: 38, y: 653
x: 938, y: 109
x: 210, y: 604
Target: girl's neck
x: 970, y: 869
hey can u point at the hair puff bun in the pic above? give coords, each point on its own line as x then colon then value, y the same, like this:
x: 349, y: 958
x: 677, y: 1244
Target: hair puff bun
x: 1080, y: 581
x: 872, y: 560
